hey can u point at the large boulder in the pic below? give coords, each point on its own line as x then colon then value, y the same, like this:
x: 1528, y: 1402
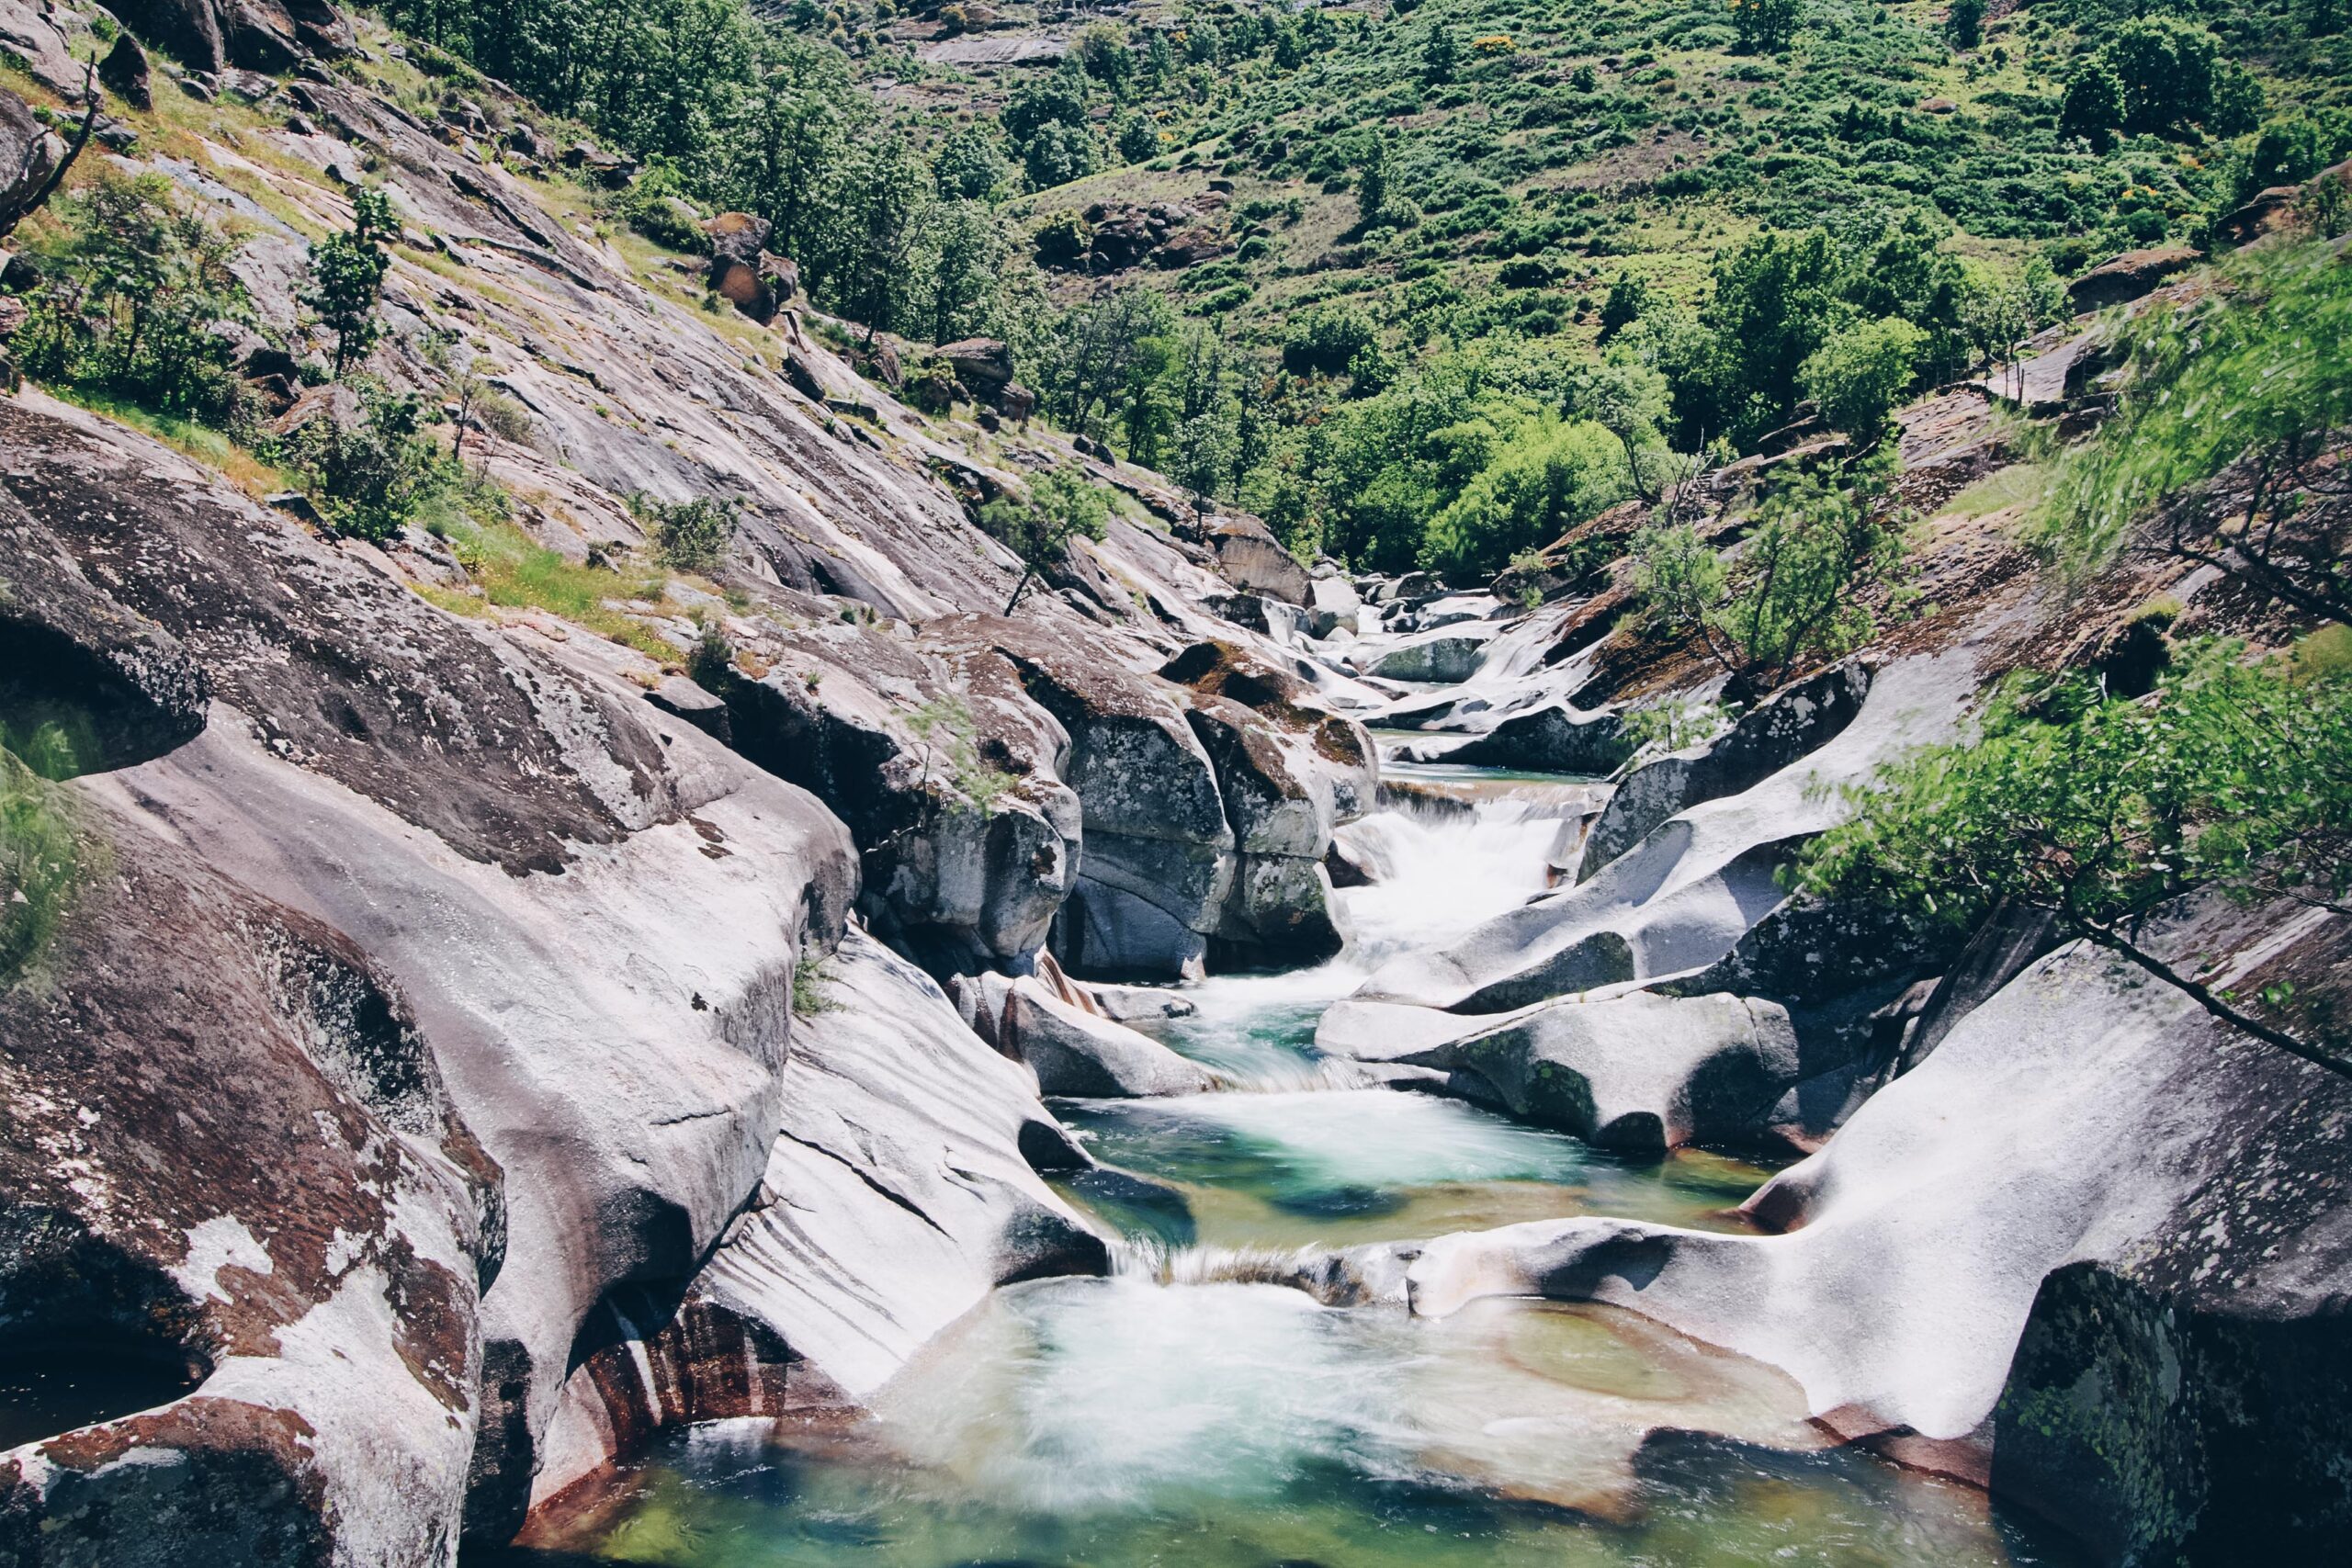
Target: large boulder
x: 2149, y: 1346
x: 2123, y: 278
x: 1632, y: 1072
x: 900, y: 1189
x: 1555, y: 738
x: 510, y: 835
x: 1332, y: 605
x: 947, y: 776
x: 1158, y: 856
x: 1442, y: 657
x: 29, y: 153
x: 239, y: 1201
x: 1775, y: 734
x: 1683, y: 896
x: 1252, y: 559
x: 1074, y: 1049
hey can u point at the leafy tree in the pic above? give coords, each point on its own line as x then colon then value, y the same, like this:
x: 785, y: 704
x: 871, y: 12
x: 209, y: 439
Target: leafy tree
x: 888, y: 204
x: 1441, y: 56
x: 2229, y: 775
x: 347, y: 277
x: 368, y: 476
x: 1136, y: 139
x: 1627, y: 399
x: 1965, y: 22
x: 2093, y: 106
x: 1091, y: 356
x: 1548, y: 477
x: 969, y: 165
x: 1777, y: 298
x: 144, y: 277
x: 1798, y: 587
x: 1327, y: 340
x: 1062, y: 506
x: 687, y: 535
x: 1858, y: 376
x: 2256, y: 382
x: 1628, y: 298
x: 1372, y: 185
x: 1765, y: 25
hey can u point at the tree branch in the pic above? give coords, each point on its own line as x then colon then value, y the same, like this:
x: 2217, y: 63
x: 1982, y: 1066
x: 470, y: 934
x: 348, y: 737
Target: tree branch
x: 2115, y: 941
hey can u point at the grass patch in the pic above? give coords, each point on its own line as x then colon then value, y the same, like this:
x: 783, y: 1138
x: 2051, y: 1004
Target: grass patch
x: 515, y: 571
x: 213, y: 448
x: 41, y: 866
x: 2018, y: 485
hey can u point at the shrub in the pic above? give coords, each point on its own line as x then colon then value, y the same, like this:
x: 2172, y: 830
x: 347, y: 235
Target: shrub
x: 1552, y: 476
x: 347, y: 277
x: 144, y: 277
x: 1859, y: 374
x: 41, y: 856
x: 368, y: 476
x: 687, y: 535
x: 1061, y: 507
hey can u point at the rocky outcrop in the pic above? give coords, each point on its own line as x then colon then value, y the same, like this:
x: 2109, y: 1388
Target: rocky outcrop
x: 1252, y: 559
x: 1682, y: 897
x: 509, y: 839
x: 2113, y: 1340
x: 1069, y: 1043
x: 1555, y: 738
x: 1631, y: 1072
x: 2121, y: 279
x: 265, y: 1240
x: 900, y: 1189
x: 1442, y: 657
x: 1777, y: 733
x: 260, y: 35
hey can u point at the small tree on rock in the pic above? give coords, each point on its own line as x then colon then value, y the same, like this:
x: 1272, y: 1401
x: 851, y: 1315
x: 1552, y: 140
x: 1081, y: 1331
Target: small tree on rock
x: 347, y: 278
x: 1061, y: 507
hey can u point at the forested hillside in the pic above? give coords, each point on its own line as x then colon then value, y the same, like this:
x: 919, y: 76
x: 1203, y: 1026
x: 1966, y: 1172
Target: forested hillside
x: 1424, y: 284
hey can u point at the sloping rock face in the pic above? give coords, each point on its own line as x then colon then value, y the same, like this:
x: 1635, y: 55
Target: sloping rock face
x: 2096, y: 1232
x: 1290, y: 772
x: 1069, y: 1041
x: 511, y: 840
x: 1695, y: 884
x: 273, y: 1230
x: 889, y: 1092
x: 1556, y: 737
x: 1789, y: 726
x: 1253, y: 561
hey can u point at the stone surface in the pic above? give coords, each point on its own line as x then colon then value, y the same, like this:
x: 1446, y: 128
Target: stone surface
x: 2131, y: 1335
x: 1554, y: 739
x: 1778, y: 732
x: 1442, y: 657
x: 2122, y: 278
x: 1631, y: 1072
x: 1251, y: 558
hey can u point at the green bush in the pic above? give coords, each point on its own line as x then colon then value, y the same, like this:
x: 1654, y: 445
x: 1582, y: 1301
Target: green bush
x: 371, y: 476
x: 1549, y: 476
x: 1858, y: 376
x: 687, y: 535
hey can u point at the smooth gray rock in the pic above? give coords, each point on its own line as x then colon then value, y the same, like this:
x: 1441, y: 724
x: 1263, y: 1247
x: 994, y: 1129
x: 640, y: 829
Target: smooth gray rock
x: 1776, y: 733
x: 1442, y: 657
x: 1636, y: 1071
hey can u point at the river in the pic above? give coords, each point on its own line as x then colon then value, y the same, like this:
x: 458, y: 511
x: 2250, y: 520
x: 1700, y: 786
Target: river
x: 1176, y: 1413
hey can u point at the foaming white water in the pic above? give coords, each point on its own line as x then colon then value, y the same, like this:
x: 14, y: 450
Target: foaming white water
x: 1148, y: 1257
x: 1447, y: 871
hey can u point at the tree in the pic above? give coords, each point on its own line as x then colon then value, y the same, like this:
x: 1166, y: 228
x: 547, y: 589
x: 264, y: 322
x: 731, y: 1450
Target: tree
x: 969, y: 165
x: 2093, y: 106
x: 1372, y: 185
x: 1093, y: 352
x: 1628, y: 298
x: 1062, y: 506
x: 2167, y: 69
x: 1764, y: 25
x: 1798, y: 587
x: 1777, y: 298
x: 885, y: 206
x: 2220, y: 452
x: 145, y: 278
x: 2098, y: 813
x: 1627, y: 399
x: 1136, y: 141
x: 1859, y: 374
x: 1965, y: 22
x: 687, y: 535
x: 1546, y: 479
x: 347, y: 277
x: 962, y: 251
x: 367, y: 477
x: 30, y: 194
x: 1441, y: 56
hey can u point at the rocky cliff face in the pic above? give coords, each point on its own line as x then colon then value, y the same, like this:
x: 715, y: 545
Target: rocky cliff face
x: 412, y: 1084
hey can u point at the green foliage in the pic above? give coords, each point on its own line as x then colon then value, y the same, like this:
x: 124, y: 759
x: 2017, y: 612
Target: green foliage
x: 2099, y: 811
x: 1964, y: 21
x: 369, y: 477
x: 1670, y: 724
x: 347, y: 277
x: 948, y: 734
x: 2259, y: 374
x: 1799, y: 587
x: 130, y: 306
x: 1764, y: 25
x: 2093, y: 106
x: 1861, y: 373
x: 660, y: 206
x: 687, y: 535
x: 1549, y: 475
x: 808, y: 983
x: 1061, y: 506
x: 41, y: 857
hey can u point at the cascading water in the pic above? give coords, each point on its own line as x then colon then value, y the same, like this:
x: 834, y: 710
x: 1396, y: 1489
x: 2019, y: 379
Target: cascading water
x: 1197, y: 1408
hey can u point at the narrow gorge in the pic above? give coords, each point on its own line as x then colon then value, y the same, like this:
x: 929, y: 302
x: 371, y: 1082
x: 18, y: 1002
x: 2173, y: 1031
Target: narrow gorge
x: 528, y: 1041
